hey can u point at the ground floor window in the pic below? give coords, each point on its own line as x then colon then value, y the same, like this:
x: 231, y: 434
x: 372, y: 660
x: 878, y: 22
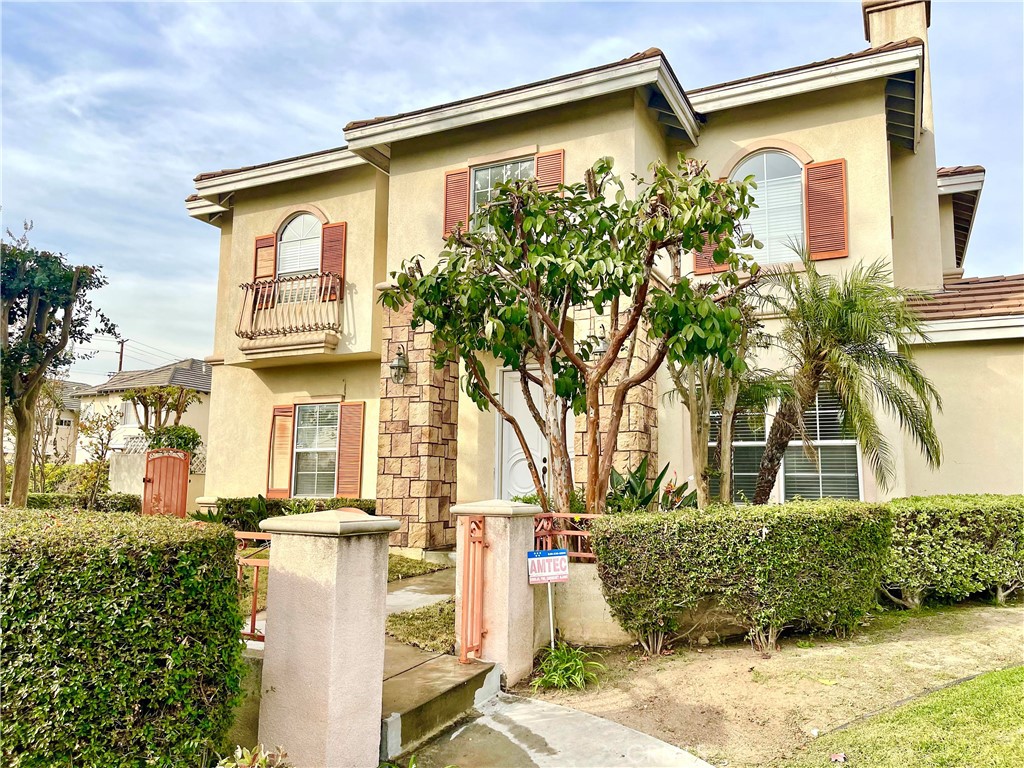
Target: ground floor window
x: 747, y: 448
x: 837, y: 471
x: 316, y: 450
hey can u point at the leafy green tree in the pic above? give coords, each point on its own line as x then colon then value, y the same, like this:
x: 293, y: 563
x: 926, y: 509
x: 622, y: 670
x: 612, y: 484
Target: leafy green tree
x: 159, y: 407
x: 176, y: 436
x: 46, y: 305
x: 510, y: 286
x: 852, y: 332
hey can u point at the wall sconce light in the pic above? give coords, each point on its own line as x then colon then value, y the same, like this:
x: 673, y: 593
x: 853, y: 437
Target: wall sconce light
x: 399, y: 366
x: 602, y: 343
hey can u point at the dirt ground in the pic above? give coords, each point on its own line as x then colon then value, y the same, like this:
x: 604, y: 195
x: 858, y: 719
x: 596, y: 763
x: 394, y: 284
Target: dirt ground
x: 731, y: 707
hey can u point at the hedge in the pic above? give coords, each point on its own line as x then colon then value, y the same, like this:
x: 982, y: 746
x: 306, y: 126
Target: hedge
x: 105, y: 502
x: 954, y: 546
x: 237, y: 513
x: 120, y: 639
x: 811, y: 565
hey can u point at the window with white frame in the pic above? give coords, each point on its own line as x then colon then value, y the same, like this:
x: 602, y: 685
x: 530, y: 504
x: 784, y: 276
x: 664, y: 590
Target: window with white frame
x: 128, y: 418
x: 747, y: 449
x: 298, y: 254
x: 487, y: 177
x: 837, y: 471
x: 316, y: 449
x: 778, y: 220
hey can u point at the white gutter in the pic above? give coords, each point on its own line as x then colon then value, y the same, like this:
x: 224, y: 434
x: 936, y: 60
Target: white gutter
x: 634, y: 74
x: 974, y: 329
x: 212, y: 189
x: 868, y: 67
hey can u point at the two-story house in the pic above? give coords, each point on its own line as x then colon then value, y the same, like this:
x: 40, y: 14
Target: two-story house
x: 305, y: 402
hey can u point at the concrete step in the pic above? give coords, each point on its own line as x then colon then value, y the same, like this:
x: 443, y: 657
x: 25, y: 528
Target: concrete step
x: 424, y: 692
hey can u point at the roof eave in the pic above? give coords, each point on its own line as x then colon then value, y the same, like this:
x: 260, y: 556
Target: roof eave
x: 964, y: 184
x: 215, y: 189
x: 868, y: 67
x: 376, y: 138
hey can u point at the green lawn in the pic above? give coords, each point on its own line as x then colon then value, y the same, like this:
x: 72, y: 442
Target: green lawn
x: 976, y: 724
x: 431, y: 627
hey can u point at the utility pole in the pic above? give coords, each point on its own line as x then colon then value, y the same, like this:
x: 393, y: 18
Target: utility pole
x: 120, y: 355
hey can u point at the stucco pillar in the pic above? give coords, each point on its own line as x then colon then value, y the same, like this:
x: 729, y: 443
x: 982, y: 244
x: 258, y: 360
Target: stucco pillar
x: 323, y: 665
x: 417, y: 444
x: 508, y: 614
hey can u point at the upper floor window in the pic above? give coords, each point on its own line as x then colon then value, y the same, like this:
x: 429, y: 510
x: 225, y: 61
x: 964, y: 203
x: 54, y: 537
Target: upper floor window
x: 298, y: 248
x: 487, y: 177
x: 778, y: 220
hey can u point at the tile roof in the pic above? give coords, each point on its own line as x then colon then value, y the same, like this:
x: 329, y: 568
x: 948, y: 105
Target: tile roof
x: 908, y: 43
x: 650, y: 53
x: 947, y: 171
x: 975, y: 297
x: 70, y: 392
x: 190, y: 373
x: 226, y: 171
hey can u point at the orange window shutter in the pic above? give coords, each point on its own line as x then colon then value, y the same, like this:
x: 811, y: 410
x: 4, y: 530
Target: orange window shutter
x: 265, y: 258
x: 827, y: 226
x: 549, y: 168
x: 279, y: 465
x: 703, y: 260
x: 350, y: 450
x: 332, y: 259
x: 456, y: 199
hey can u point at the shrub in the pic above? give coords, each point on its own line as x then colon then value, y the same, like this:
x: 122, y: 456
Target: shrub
x: 90, y: 477
x: 565, y: 667
x: 577, y: 502
x: 178, y: 436
x: 242, y: 514
x: 813, y: 565
x: 955, y: 546
x: 106, y: 502
x: 120, y: 639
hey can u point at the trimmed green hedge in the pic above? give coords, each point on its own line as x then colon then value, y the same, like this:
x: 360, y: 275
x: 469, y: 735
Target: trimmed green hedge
x: 237, y: 514
x: 120, y: 639
x: 812, y: 565
x: 105, y: 502
x: 954, y: 546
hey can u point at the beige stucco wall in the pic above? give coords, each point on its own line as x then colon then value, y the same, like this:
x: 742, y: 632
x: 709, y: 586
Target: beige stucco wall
x: 946, y: 233
x: 242, y: 410
x: 981, y: 426
x: 357, y: 196
x: 847, y: 122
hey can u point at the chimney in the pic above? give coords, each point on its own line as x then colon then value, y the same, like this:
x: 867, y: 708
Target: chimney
x: 890, y: 21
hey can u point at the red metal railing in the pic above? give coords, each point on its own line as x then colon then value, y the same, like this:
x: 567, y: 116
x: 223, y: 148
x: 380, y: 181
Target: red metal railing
x: 472, y: 624
x: 562, y: 530
x: 291, y: 305
x: 258, y: 561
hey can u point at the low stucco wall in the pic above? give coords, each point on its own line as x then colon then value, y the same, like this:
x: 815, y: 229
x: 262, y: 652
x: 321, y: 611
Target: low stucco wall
x: 582, y: 614
x: 244, y: 731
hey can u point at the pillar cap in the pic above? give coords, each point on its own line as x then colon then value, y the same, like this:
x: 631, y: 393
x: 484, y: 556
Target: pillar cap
x: 496, y: 508
x: 330, y: 522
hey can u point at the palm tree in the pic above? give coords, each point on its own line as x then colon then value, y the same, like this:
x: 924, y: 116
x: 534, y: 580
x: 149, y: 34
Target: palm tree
x: 851, y: 332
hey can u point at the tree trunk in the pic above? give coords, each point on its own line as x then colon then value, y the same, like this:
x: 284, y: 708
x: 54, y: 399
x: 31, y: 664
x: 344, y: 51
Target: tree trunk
x: 782, y: 431
x: 24, y: 428
x: 3, y: 452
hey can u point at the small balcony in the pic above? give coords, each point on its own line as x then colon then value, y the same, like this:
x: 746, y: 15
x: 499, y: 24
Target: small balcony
x: 289, y: 316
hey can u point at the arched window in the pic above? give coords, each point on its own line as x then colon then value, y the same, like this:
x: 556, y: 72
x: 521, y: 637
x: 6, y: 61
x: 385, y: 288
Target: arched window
x: 298, y: 247
x: 778, y: 220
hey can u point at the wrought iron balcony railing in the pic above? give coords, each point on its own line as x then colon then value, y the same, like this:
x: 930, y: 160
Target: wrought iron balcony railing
x: 286, y: 305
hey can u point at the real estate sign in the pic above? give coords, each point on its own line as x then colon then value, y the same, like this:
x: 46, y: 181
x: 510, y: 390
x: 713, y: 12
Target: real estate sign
x: 547, y: 566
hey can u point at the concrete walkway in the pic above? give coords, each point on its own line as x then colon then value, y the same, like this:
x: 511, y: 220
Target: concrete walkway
x: 516, y: 732
x: 418, y: 591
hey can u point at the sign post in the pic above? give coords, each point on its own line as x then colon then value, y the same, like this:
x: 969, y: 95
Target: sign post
x: 548, y: 566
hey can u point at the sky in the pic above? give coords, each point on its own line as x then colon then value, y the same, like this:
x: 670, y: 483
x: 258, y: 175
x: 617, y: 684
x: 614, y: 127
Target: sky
x: 109, y: 110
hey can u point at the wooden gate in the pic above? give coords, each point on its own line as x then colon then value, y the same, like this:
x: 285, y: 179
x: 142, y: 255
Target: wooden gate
x: 165, y: 484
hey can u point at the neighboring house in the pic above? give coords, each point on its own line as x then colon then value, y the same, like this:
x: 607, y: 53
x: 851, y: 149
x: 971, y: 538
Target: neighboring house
x: 844, y: 154
x: 63, y: 445
x: 190, y: 373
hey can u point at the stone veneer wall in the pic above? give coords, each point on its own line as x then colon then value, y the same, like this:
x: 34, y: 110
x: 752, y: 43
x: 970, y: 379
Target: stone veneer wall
x: 638, y: 430
x: 417, y: 447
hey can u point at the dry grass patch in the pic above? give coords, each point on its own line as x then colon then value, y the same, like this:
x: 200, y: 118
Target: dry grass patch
x: 405, y: 567
x: 431, y: 628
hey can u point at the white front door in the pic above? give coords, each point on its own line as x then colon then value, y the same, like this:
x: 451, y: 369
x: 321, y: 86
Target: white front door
x: 513, y: 475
